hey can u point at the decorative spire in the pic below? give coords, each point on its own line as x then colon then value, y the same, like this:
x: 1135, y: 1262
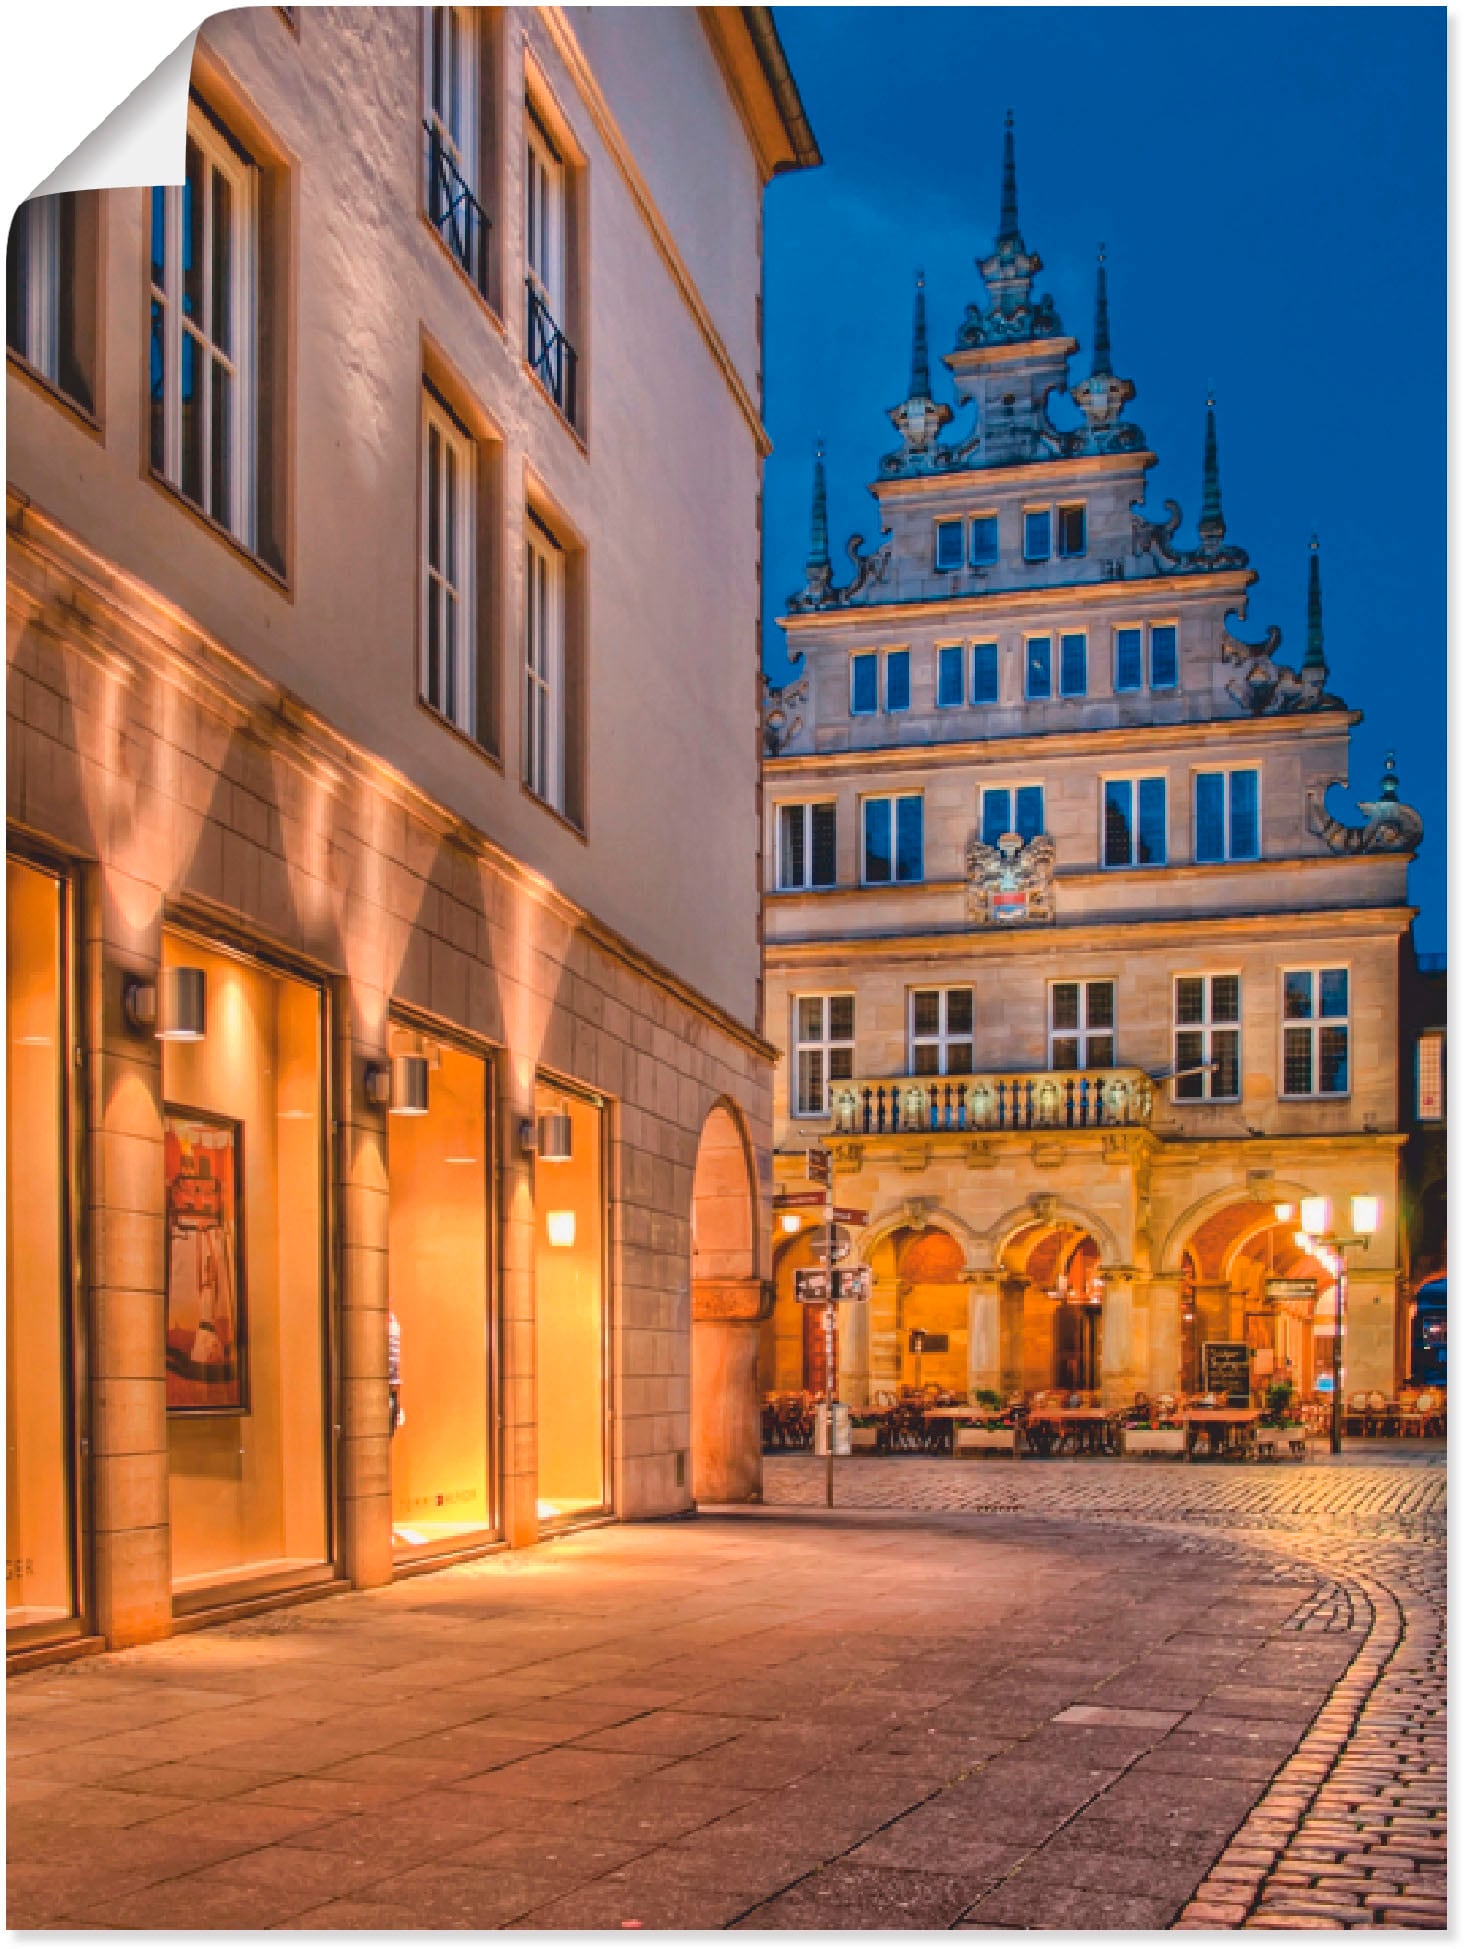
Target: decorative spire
x: 919, y: 346
x: 1009, y: 231
x: 1315, y: 658
x: 1102, y: 351
x: 1212, y: 520
x: 818, y: 540
x: 1388, y: 791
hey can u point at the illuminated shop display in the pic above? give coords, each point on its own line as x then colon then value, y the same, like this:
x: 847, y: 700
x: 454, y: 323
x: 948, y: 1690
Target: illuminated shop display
x: 440, y: 1348
x: 40, y: 1588
x: 570, y: 1310
x: 245, y: 1348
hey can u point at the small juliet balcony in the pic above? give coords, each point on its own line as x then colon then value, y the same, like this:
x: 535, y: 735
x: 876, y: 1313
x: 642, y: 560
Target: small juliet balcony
x: 455, y: 213
x: 551, y: 356
x: 1045, y: 1099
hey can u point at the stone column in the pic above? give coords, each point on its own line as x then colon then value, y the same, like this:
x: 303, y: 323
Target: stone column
x: 124, y: 1220
x: 1369, y: 1338
x: 884, y: 1334
x: 363, y: 1217
x: 726, y: 1411
x: 1013, y: 1303
x: 983, y: 1343
x: 1121, y: 1375
x: 1163, y: 1366
x: 1213, y: 1308
x: 517, y: 1384
x: 854, y: 1353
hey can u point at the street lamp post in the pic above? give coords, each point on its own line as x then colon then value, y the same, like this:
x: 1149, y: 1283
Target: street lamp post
x: 1317, y: 1237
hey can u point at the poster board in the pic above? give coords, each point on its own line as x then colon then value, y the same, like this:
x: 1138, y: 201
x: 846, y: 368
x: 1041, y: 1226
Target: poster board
x: 1225, y: 1365
x: 206, y: 1339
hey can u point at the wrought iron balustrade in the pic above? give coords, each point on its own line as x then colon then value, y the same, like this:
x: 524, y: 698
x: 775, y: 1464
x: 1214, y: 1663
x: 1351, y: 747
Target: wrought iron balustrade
x: 456, y: 214
x: 1049, y: 1099
x: 551, y: 355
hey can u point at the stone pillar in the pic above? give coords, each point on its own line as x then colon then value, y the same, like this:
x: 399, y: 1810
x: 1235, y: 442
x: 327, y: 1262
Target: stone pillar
x: 884, y: 1334
x: 123, y: 1194
x: 364, y: 1219
x: 1213, y: 1308
x: 983, y: 1342
x: 1163, y: 1365
x: 854, y: 1353
x: 1120, y: 1376
x: 517, y: 1384
x: 1013, y: 1303
x: 1369, y: 1357
x: 726, y: 1410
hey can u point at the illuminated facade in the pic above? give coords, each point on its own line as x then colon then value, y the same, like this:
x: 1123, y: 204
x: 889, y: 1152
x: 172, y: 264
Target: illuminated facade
x: 386, y: 1146
x: 1068, y: 960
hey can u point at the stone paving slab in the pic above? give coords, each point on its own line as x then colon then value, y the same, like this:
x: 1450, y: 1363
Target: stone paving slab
x: 1055, y: 1715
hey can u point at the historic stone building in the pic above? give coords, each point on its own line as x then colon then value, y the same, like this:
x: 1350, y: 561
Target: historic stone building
x: 386, y: 1097
x: 1070, y: 962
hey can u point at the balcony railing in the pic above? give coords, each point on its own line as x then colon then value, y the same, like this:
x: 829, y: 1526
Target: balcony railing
x: 551, y: 355
x: 1049, y: 1099
x: 456, y: 214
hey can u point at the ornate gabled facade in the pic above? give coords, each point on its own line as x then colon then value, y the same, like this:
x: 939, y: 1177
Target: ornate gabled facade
x: 1070, y: 961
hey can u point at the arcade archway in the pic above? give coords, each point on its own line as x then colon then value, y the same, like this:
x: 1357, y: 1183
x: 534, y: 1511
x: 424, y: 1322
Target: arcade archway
x: 727, y: 1306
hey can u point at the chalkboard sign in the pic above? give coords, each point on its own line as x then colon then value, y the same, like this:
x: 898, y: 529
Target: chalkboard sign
x: 1227, y: 1371
x: 923, y: 1342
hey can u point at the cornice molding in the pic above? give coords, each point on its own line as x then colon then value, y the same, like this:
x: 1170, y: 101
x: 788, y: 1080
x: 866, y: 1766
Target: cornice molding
x: 1225, y: 585
x: 1026, y: 474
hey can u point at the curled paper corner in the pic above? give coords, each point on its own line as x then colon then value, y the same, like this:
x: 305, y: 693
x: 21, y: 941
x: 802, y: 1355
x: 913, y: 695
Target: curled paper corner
x: 142, y: 141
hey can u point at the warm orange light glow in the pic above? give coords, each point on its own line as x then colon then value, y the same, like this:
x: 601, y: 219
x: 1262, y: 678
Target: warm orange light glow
x: 560, y: 1226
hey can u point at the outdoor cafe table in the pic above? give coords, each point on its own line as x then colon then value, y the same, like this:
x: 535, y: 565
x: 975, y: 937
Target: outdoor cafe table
x: 1228, y: 1421
x: 1087, y: 1425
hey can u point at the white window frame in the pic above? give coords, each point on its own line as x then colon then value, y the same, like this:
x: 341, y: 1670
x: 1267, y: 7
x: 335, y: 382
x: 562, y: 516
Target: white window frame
x: 544, y: 216
x: 896, y: 710
x: 543, y: 664
x: 452, y: 575
x: 1164, y: 622
x: 827, y: 1046
x: 1228, y: 856
x: 217, y: 153
x: 39, y: 244
x: 1433, y: 1089
x: 1313, y: 1024
x: 984, y: 703
x: 1134, y: 780
x: 1206, y: 1029
x: 807, y: 884
x: 1082, y: 1034
x: 1048, y: 637
x: 943, y: 1037
x: 456, y: 118
x: 1020, y: 785
x: 893, y: 800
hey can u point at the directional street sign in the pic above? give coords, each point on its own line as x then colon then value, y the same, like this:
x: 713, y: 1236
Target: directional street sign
x: 812, y: 1286
x: 821, y: 1166
x: 850, y: 1215
x: 799, y: 1201
x: 842, y: 1244
x: 1291, y: 1289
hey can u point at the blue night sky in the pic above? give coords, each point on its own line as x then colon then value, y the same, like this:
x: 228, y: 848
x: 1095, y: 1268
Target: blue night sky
x: 1269, y: 183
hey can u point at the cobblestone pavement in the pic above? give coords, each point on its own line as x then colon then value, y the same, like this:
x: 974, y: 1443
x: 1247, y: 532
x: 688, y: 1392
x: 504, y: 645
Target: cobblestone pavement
x: 1063, y: 1696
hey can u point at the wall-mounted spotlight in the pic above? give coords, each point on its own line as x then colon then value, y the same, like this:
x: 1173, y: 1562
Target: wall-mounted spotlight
x: 560, y: 1227
x: 172, y: 1007
x: 400, y: 1086
x: 556, y: 1136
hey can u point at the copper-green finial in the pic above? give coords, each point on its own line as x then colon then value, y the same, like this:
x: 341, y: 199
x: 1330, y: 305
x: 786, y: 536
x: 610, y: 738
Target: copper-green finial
x: 818, y: 544
x: 1102, y: 352
x: 919, y: 348
x: 1008, y: 231
x: 1212, y: 519
x: 1315, y: 658
x: 1389, y: 790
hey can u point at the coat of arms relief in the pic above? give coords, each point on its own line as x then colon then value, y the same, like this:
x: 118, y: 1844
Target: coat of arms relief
x: 1011, y: 882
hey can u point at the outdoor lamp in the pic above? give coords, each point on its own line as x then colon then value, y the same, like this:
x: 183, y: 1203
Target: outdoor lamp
x: 1285, y: 1213
x: 791, y: 1221
x: 400, y: 1086
x: 180, y: 1005
x: 1316, y: 1216
x: 1367, y: 1216
x: 560, y: 1226
x: 556, y: 1136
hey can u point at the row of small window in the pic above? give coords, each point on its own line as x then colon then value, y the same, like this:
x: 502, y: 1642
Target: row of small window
x: 1227, y: 826
x: 974, y: 540
x: 1144, y: 657
x: 1082, y: 1031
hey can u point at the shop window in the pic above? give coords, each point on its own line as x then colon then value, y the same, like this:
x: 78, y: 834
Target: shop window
x: 244, y: 1326
x: 1207, y: 1038
x: 51, y: 265
x: 570, y: 1312
x: 985, y: 674
x: 440, y: 1339
x: 1080, y: 1025
x: 40, y: 1587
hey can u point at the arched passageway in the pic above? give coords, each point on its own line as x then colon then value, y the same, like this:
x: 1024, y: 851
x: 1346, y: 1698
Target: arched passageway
x: 727, y: 1307
x: 1234, y: 1269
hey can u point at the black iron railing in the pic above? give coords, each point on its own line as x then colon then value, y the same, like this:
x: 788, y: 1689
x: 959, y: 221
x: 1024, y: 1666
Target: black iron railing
x: 551, y: 355
x: 456, y: 214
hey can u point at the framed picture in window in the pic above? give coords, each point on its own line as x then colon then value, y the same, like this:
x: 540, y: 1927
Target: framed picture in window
x: 206, y: 1331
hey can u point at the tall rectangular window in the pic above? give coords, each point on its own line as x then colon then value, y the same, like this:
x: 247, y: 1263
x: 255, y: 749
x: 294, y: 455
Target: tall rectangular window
x: 551, y: 356
x: 1128, y: 659
x: 1039, y: 667
x: 1314, y: 1044
x: 449, y: 533
x: 1036, y: 534
x: 985, y: 674
x: 1080, y: 1025
x: 1163, y: 656
x: 453, y: 189
x: 864, y: 684
x: 950, y: 675
x: 807, y: 846
x: 202, y: 342
x: 1227, y: 815
x: 544, y: 664
x: 949, y: 545
x: 1430, y: 1107
x: 1207, y: 1038
x: 894, y: 839
x: 985, y: 547
x: 1006, y: 808
x: 941, y: 1030
x: 51, y: 290
x: 1073, y: 664
x: 1072, y: 530
x: 897, y: 680
x: 1135, y: 822
x: 823, y: 1050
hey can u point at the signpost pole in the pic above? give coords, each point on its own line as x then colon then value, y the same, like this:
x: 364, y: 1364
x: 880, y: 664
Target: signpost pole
x: 830, y: 1352
x: 1336, y: 1443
